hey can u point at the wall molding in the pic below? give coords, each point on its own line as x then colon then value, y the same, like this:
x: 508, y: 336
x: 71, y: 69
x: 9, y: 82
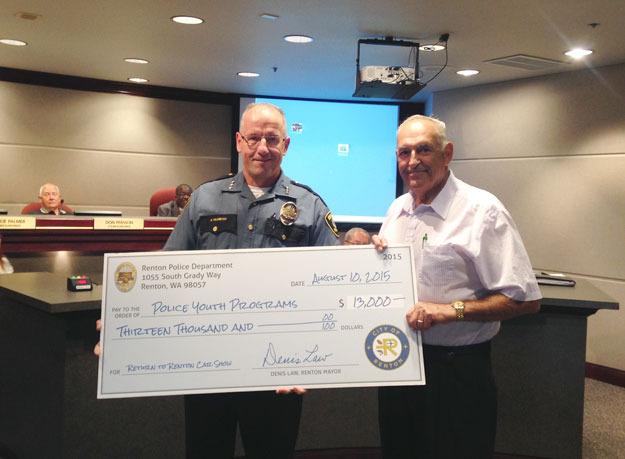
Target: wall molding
x: 56, y: 80
x: 608, y: 375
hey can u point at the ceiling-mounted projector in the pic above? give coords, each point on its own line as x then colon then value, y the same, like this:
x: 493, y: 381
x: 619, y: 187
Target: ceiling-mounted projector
x: 389, y: 81
x: 388, y: 74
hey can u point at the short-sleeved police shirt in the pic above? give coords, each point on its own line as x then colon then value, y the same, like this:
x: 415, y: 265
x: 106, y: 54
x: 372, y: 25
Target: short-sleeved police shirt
x: 224, y: 214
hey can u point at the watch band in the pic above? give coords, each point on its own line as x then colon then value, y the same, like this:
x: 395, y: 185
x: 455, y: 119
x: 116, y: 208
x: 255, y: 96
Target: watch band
x: 459, y: 307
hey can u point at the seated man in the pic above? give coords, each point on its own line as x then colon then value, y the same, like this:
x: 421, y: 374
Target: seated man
x: 174, y: 208
x: 357, y: 236
x: 51, y: 201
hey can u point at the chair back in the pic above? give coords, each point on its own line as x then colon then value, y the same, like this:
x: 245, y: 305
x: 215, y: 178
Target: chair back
x: 34, y: 207
x: 159, y: 197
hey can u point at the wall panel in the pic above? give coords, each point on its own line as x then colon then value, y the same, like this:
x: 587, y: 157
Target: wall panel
x: 565, y: 208
x: 552, y: 148
x: 98, y: 179
x: 106, y: 150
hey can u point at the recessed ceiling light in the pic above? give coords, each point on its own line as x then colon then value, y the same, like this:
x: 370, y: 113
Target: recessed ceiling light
x: 298, y: 38
x: 248, y: 74
x: 189, y: 20
x: 468, y: 72
x: 138, y: 80
x: 12, y: 42
x: 269, y: 16
x: 578, y: 53
x: 136, y: 60
x: 430, y: 48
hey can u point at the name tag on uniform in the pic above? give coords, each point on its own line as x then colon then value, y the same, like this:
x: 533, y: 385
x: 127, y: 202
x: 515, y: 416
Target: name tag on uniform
x: 216, y: 224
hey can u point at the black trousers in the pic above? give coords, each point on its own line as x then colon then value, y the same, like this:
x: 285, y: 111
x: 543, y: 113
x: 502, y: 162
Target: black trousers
x: 268, y: 423
x: 453, y: 416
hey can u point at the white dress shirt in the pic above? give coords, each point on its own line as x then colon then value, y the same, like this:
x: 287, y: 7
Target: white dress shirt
x: 466, y: 246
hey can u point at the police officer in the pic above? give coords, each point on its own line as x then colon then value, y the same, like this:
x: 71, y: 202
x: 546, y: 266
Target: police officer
x: 259, y: 207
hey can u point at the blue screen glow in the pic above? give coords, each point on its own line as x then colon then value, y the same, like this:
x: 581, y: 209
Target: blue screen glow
x: 345, y: 152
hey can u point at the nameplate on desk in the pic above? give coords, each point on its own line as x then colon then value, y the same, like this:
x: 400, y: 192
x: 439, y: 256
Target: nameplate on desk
x: 257, y: 319
x: 116, y: 223
x: 17, y: 222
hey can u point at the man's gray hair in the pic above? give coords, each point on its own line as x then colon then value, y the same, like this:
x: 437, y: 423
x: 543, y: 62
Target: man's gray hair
x: 439, y: 126
x: 263, y: 104
x: 354, y: 231
x: 58, y: 190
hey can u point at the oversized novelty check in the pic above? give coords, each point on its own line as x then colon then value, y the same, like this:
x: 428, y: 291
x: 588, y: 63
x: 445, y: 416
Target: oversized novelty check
x: 246, y: 320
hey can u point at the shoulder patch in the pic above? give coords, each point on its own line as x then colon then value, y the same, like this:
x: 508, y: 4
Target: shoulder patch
x: 309, y: 189
x: 330, y: 222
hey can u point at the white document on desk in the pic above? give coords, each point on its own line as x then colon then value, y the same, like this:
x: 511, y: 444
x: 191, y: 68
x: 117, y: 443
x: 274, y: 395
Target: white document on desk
x: 245, y: 320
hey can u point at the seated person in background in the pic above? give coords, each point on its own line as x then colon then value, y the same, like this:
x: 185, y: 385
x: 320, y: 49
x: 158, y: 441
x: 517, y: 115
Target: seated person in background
x: 51, y: 201
x: 357, y: 236
x: 174, y: 208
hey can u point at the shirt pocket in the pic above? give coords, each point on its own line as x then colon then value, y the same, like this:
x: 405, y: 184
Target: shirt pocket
x: 217, y: 231
x: 443, y: 271
x: 286, y: 235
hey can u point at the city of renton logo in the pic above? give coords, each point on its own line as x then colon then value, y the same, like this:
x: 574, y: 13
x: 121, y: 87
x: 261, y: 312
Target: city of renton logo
x: 387, y: 347
x: 125, y: 277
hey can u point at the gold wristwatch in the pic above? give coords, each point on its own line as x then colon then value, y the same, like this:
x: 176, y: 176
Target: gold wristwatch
x: 459, y: 307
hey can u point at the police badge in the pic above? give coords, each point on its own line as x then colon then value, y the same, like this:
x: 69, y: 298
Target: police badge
x: 288, y: 213
x: 125, y: 277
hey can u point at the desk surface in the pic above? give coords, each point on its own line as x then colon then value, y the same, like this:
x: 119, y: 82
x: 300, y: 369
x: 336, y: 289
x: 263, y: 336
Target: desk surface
x: 48, y: 292
x: 584, y: 295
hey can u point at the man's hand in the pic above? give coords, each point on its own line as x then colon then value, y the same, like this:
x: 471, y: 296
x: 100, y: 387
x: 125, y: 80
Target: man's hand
x: 424, y: 315
x: 291, y: 390
x: 379, y: 243
x: 96, y: 349
x: 491, y: 308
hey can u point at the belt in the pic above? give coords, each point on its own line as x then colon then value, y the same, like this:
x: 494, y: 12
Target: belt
x: 450, y: 351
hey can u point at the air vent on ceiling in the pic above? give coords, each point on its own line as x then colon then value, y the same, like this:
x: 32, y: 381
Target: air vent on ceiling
x: 523, y: 61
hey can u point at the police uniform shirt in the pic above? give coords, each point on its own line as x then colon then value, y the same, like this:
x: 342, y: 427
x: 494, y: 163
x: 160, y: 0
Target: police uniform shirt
x: 224, y: 214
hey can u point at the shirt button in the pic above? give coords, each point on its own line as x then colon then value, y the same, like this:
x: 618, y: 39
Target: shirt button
x: 250, y: 227
x: 284, y: 237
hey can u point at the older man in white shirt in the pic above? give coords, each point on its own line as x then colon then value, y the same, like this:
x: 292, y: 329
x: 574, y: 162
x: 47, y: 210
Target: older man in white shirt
x: 473, y: 271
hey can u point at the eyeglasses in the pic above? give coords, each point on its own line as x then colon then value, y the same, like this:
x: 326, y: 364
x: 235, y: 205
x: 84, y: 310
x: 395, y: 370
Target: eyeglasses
x: 272, y: 141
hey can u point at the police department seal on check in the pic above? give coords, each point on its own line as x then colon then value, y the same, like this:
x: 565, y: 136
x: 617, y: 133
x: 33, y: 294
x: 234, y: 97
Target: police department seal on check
x: 387, y: 347
x: 125, y: 277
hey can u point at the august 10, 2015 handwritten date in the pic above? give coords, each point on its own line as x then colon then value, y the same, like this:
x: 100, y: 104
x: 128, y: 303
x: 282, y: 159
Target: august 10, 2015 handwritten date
x: 242, y: 320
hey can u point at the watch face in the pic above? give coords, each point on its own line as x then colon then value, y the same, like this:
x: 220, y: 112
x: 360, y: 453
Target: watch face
x: 459, y: 307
